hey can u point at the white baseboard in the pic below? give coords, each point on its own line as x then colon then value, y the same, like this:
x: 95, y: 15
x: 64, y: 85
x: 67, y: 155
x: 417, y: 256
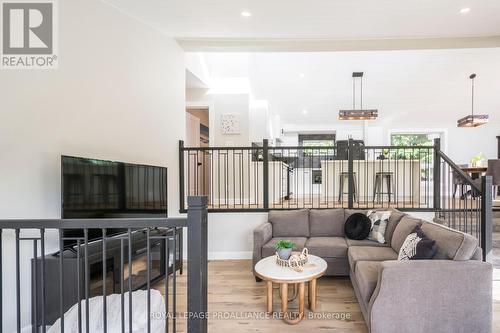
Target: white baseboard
x: 230, y: 255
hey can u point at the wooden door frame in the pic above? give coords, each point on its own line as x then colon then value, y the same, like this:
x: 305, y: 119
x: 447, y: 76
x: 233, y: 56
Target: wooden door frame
x: 211, y: 117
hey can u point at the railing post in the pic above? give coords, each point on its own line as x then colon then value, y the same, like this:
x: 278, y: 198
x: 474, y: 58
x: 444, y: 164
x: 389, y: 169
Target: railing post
x: 1, y: 282
x: 197, y: 288
x: 498, y: 156
x: 265, y: 172
x: 182, y: 199
x: 437, y: 174
x: 350, y: 183
x: 486, y: 218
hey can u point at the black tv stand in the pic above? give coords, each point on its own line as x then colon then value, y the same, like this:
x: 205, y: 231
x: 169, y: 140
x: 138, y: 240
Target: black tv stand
x: 73, y: 265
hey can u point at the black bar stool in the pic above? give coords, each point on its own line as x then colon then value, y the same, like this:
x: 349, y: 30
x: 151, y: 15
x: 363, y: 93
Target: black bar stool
x: 377, y: 188
x: 343, y: 179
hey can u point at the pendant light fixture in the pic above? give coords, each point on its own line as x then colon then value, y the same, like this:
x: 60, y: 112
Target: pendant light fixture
x: 357, y: 114
x: 473, y: 120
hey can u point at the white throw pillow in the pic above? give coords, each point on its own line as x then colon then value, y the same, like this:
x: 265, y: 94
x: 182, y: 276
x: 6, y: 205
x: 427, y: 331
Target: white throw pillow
x: 379, y: 220
x: 409, y: 248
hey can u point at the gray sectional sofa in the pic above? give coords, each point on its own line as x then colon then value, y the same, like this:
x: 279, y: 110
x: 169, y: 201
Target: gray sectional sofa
x: 450, y: 293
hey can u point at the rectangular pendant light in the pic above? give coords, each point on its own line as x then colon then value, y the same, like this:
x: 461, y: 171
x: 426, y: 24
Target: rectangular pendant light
x: 474, y: 120
x: 354, y: 113
x: 358, y: 114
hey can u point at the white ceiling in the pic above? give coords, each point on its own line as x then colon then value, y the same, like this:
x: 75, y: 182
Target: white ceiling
x: 326, y: 19
x: 417, y: 87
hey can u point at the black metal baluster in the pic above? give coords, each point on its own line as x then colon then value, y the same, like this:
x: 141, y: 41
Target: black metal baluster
x: 78, y: 285
x: 226, y: 179
x: 122, y: 291
x: 167, y: 273
x: 34, y: 307
x: 42, y: 279
x: 174, y: 272
x: 104, y: 275
x: 130, y: 277
x: 18, y: 285
x: 234, y: 179
x: 148, y: 276
x: 61, y: 279
x: 87, y: 280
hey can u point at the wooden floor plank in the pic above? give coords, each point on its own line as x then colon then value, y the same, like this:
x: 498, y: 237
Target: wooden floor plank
x: 232, y: 289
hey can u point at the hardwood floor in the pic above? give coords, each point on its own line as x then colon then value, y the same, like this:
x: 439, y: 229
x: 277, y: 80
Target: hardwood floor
x: 233, y: 291
x: 315, y: 201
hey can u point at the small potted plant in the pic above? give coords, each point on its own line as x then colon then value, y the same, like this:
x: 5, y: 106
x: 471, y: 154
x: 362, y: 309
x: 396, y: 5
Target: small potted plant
x: 477, y: 161
x: 284, y: 248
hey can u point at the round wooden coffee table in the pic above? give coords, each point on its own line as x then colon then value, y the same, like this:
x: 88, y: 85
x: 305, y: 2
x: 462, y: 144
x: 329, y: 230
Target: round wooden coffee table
x: 269, y: 271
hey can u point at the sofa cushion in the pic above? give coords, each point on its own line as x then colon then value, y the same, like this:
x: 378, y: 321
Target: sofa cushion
x: 364, y: 242
x: 366, y: 276
x: 394, y: 219
x: 403, y: 229
x: 326, y: 222
x: 369, y: 253
x: 327, y: 247
x: 269, y: 250
x: 451, y: 244
x: 290, y: 223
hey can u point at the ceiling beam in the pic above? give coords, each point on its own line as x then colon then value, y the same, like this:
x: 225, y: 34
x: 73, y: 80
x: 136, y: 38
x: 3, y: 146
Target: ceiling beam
x: 326, y: 45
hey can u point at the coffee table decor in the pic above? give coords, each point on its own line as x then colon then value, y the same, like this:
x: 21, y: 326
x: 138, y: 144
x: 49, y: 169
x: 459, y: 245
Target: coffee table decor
x: 296, y: 261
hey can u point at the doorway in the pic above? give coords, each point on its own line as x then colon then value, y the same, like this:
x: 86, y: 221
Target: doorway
x: 198, y: 162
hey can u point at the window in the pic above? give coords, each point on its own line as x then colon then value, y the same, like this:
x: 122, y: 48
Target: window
x: 425, y: 156
x: 412, y: 140
x: 316, y: 140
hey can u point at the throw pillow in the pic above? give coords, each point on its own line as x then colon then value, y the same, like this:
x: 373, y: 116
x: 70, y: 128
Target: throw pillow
x: 357, y: 226
x: 379, y: 221
x: 417, y: 246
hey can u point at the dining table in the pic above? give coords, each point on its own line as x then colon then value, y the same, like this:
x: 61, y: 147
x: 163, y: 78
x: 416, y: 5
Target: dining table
x: 474, y: 171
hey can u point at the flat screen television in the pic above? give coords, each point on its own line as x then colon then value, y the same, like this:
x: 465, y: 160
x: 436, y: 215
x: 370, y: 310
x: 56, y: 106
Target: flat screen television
x: 92, y: 188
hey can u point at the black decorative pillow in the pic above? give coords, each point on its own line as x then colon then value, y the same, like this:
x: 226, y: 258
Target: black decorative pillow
x: 357, y: 226
x: 417, y: 246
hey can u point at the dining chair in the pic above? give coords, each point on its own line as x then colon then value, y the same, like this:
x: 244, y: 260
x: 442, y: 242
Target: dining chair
x: 494, y: 172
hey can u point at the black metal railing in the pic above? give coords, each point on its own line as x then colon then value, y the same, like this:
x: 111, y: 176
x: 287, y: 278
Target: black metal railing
x: 348, y: 175
x: 464, y: 202
x: 260, y: 178
x: 125, y: 282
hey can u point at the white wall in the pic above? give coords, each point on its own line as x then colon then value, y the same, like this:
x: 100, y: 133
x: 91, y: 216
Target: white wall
x: 118, y: 94
x: 195, y: 63
x: 224, y: 103
x: 230, y: 235
x: 259, y: 121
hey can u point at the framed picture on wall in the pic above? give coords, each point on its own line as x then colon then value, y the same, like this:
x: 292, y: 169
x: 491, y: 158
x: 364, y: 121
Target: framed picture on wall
x: 230, y: 123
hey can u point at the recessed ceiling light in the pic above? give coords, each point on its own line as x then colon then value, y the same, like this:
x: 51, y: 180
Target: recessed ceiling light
x: 246, y: 13
x: 464, y: 10
x: 304, y: 111
x: 301, y: 75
